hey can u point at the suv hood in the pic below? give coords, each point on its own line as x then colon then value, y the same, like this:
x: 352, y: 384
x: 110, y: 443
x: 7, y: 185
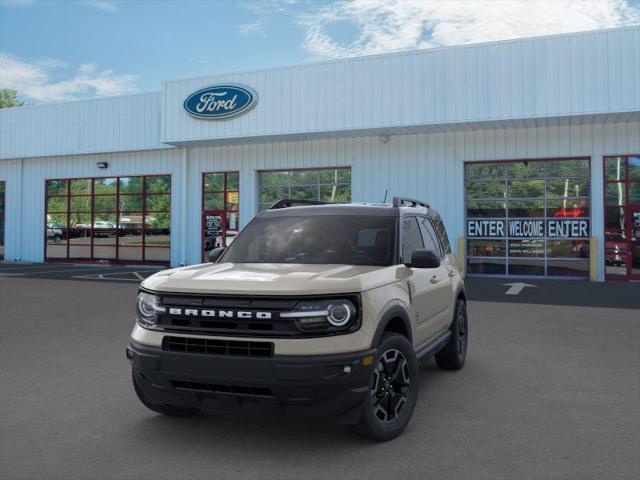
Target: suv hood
x: 271, y: 279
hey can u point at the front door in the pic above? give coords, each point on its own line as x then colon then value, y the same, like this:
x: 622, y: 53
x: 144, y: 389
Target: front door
x: 220, y: 210
x: 634, y: 243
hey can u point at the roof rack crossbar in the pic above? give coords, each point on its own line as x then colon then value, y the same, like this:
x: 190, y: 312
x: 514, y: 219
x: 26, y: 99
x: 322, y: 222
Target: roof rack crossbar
x: 409, y: 202
x: 292, y: 202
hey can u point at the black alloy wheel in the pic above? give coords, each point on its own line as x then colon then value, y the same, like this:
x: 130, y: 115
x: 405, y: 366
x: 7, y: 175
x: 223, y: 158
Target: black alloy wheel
x: 391, y: 386
x: 393, y: 391
x: 454, y: 354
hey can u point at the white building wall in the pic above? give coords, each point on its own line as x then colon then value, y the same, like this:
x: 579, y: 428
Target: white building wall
x: 425, y: 166
x: 112, y: 124
x: 546, y: 77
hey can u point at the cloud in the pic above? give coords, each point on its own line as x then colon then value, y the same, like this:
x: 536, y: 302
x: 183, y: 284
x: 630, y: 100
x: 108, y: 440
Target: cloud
x: 252, y: 29
x: 104, y: 5
x: 389, y: 25
x: 35, y: 81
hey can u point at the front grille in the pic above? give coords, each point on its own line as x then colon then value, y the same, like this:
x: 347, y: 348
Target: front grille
x: 228, y: 389
x: 257, y: 325
x: 218, y: 347
x: 273, y: 327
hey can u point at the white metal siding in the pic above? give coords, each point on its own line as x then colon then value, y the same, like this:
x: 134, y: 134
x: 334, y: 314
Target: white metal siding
x: 91, y: 126
x: 547, y: 77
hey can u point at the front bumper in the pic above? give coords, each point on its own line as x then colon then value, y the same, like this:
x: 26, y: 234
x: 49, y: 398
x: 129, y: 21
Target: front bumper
x: 315, y: 385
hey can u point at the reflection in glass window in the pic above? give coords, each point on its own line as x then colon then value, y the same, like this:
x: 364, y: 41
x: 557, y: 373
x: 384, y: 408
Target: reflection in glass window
x: 614, y: 193
x: 109, y: 218
x: 526, y: 169
x: 573, y: 207
x: 568, y: 187
x: 485, y: 171
x: 328, y: 185
x: 486, y: 189
x: 568, y: 168
x: 633, y: 168
x: 486, y: 248
x: 525, y: 188
x: 615, y: 168
x: 568, y: 248
x: 526, y: 208
x: 634, y: 193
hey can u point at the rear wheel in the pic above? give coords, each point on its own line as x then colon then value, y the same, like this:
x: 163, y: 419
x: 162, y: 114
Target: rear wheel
x: 453, y: 356
x: 393, y: 390
x: 168, y: 410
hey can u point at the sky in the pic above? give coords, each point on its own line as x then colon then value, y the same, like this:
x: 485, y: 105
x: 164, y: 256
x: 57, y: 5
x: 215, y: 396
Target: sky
x: 59, y: 50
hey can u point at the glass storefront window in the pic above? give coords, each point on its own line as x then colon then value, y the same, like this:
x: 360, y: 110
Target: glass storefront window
x: 524, y: 215
x: 109, y: 219
x: 327, y: 184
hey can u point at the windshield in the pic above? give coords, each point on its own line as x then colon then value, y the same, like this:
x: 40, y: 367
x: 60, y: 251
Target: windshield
x: 319, y: 239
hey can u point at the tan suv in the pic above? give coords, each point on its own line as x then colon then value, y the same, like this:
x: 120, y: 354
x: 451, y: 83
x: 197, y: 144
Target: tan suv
x: 314, y: 309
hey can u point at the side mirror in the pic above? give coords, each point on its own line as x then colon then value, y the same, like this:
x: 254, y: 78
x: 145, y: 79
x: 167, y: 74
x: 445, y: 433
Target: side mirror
x: 214, y: 254
x: 424, y: 259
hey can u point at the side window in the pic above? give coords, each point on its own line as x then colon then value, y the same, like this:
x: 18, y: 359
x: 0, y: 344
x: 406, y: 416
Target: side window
x: 429, y: 235
x: 411, y: 238
x: 442, y: 234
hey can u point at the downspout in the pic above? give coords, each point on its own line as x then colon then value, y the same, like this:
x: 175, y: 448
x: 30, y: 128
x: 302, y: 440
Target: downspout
x: 184, y: 210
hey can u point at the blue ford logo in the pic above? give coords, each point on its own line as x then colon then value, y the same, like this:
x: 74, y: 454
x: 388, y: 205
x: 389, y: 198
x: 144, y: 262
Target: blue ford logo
x: 220, y: 101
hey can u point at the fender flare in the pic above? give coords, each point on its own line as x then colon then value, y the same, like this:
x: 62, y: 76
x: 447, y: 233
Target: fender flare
x: 395, y: 311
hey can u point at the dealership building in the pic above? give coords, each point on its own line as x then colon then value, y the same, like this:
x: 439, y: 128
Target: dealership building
x: 529, y: 149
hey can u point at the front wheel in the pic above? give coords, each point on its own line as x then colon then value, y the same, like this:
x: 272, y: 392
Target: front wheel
x: 453, y: 356
x: 393, y: 390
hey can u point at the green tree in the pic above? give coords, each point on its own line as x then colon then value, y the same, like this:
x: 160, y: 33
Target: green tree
x: 8, y: 98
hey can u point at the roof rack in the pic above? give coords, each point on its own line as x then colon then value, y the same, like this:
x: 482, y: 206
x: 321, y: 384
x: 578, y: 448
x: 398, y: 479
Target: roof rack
x: 409, y: 202
x: 292, y: 202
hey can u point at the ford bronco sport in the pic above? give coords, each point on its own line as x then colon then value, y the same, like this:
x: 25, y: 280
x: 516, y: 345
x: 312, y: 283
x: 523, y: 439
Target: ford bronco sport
x: 314, y: 309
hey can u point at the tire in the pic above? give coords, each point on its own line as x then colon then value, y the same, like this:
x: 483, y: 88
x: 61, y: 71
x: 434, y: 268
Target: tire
x: 453, y: 356
x: 168, y: 410
x: 390, y: 404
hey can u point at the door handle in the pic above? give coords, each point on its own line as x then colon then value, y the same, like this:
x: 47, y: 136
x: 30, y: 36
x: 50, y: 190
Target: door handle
x: 435, y: 279
x: 452, y: 273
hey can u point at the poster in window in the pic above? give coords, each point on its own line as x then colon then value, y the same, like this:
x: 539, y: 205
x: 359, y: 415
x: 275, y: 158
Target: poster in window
x: 213, y: 232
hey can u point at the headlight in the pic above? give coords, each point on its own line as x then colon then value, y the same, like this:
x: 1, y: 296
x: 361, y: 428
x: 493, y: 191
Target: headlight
x: 147, y: 309
x: 323, y: 316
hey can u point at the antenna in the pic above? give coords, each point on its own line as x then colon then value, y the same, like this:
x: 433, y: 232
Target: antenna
x: 385, y: 196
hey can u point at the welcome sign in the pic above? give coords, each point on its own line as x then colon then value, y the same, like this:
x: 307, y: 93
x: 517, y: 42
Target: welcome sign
x: 528, y: 228
x: 219, y: 102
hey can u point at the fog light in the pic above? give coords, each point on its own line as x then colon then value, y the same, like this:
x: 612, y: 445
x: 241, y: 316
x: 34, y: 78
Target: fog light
x: 368, y: 360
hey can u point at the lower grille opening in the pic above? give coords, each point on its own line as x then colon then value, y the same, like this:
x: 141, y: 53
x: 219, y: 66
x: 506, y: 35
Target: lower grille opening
x: 218, y: 347
x: 229, y: 389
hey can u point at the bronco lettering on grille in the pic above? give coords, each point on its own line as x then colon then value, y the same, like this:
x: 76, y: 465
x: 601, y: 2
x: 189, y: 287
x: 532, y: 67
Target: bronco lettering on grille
x: 242, y: 314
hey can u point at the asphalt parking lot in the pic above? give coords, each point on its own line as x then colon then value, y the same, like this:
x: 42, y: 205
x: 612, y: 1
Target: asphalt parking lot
x: 551, y: 390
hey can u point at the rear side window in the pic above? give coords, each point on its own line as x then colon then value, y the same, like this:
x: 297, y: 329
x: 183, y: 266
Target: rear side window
x: 411, y: 238
x: 429, y: 235
x: 442, y: 235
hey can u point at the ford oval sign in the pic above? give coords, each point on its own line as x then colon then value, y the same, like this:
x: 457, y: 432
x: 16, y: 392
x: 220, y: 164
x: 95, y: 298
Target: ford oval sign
x: 220, y: 101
